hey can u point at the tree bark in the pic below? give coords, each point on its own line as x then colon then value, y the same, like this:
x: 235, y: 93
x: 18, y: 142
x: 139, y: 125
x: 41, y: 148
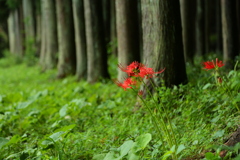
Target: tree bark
x: 51, y: 35
x: 188, y: 8
x: 113, y: 30
x: 200, y: 28
x: 38, y: 28
x: 67, y: 57
x: 80, y: 39
x: 29, y: 23
x: 96, y: 48
x: 43, y: 49
x: 219, y: 48
x: 162, y: 40
x: 106, y: 19
x: 127, y: 33
x: 229, y: 29
x: 14, y: 32
x: 238, y: 22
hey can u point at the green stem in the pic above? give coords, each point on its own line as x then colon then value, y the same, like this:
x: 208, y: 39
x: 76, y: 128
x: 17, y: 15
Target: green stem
x: 168, y: 136
x: 166, y: 115
x: 152, y: 115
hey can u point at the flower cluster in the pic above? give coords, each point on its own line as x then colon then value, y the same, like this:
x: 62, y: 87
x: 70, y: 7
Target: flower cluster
x: 136, y: 72
x: 211, y: 65
x: 214, y: 65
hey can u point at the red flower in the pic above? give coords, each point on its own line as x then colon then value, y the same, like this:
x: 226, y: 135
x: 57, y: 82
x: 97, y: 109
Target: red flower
x: 137, y: 69
x: 211, y: 65
x: 133, y: 69
x: 126, y: 84
x: 148, y: 72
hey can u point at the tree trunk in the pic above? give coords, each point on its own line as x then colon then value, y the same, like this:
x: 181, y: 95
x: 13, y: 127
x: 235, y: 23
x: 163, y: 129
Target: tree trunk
x: 162, y: 40
x: 113, y: 31
x: 51, y: 35
x: 14, y: 32
x: 96, y: 48
x: 106, y: 19
x: 38, y: 26
x: 67, y: 57
x: 188, y: 8
x: 229, y: 30
x: 238, y: 22
x: 11, y: 32
x: 127, y: 33
x: 29, y: 23
x: 219, y: 48
x: 207, y: 18
x: 43, y: 49
x: 200, y: 29
x: 80, y: 39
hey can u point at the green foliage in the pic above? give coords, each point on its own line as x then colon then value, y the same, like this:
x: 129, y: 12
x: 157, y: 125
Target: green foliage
x: 30, y: 53
x: 45, y: 118
x: 10, y: 59
x: 12, y: 4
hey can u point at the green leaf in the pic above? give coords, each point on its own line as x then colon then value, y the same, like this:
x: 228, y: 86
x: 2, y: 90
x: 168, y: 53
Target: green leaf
x: 15, y: 139
x: 215, y: 119
x: 46, y: 142
x: 133, y: 156
x: 111, y: 156
x: 63, y: 111
x: 180, y: 148
x: 23, y: 105
x: 141, y: 142
x: 218, y: 134
x: 207, y: 86
x: 211, y: 156
x: 167, y: 154
x: 56, y: 136
x: 3, y: 141
x: 99, y: 156
x: 66, y: 128
x: 125, y: 147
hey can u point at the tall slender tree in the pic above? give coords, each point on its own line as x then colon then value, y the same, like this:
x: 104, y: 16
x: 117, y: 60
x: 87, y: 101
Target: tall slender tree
x: 162, y: 40
x: 127, y: 33
x: 14, y: 32
x: 218, y: 26
x: 106, y: 19
x: 96, y: 48
x: 200, y: 28
x: 50, y: 29
x: 113, y: 30
x: 43, y: 46
x: 67, y: 57
x: 80, y: 39
x: 38, y: 13
x: 29, y: 22
x: 229, y: 29
x: 188, y: 13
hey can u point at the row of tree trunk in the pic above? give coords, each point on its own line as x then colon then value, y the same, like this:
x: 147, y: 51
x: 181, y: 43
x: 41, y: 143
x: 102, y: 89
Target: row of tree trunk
x: 211, y: 26
x: 74, y: 35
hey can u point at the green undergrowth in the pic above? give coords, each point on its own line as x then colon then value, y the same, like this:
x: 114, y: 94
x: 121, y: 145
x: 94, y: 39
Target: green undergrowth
x: 44, y: 118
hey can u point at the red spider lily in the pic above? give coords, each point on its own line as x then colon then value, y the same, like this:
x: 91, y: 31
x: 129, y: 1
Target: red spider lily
x: 128, y: 83
x: 137, y: 69
x: 148, y: 72
x: 211, y: 65
x: 133, y: 69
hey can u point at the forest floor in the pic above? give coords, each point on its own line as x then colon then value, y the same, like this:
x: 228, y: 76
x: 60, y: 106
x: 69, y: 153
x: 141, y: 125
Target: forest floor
x: 43, y: 118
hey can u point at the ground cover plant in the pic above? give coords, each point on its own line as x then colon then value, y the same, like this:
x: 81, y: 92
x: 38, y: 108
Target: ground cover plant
x: 45, y: 118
